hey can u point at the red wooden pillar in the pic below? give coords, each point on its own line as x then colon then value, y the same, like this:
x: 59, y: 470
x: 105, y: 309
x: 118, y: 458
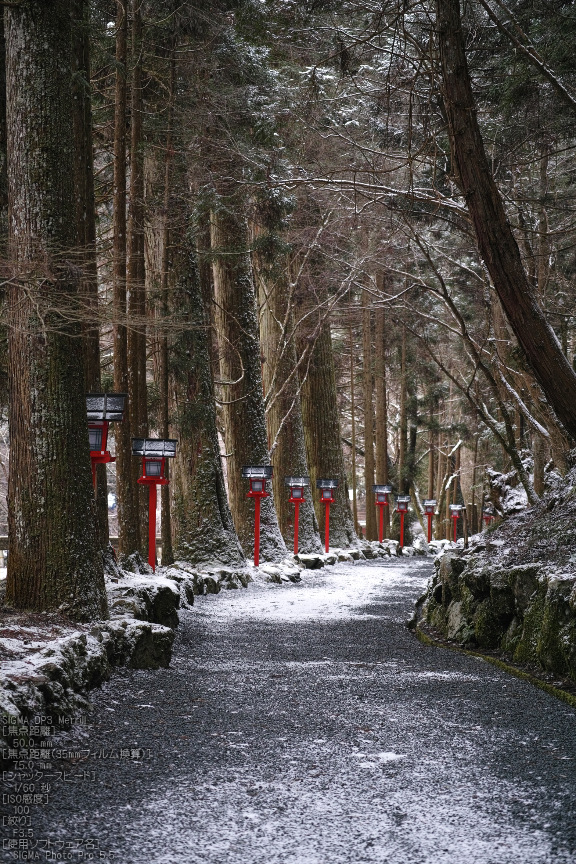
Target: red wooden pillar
x: 296, y: 517
x: 327, y: 528
x: 257, y: 475
x: 152, y: 501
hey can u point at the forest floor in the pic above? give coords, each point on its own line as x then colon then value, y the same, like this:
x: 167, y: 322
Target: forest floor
x: 304, y: 724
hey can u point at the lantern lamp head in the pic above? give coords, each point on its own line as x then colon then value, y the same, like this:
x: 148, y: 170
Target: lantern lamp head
x: 456, y: 510
x: 381, y: 490
x: 327, y: 486
x: 154, y: 452
x: 109, y: 407
x: 97, y: 437
x: 153, y: 467
x: 261, y: 472
x: 301, y: 482
x: 257, y: 475
x: 429, y: 505
x: 102, y: 409
x: 297, y: 486
x: 402, y: 502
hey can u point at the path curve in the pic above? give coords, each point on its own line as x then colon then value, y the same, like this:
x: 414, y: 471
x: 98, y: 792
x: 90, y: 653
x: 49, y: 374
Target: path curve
x: 305, y: 725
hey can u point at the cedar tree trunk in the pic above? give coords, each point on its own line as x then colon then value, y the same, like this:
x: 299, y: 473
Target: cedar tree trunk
x: 86, y: 228
x: 284, y: 410
x: 371, y: 527
x: 55, y: 560
x: 128, y: 527
x: 245, y: 422
x: 201, y: 519
x: 323, y: 437
x: 135, y: 278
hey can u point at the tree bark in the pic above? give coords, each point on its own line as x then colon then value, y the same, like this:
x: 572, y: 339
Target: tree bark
x: 163, y: 376
x: 135, y: 281
x: 403, y: 430
x: 431, y: 450
x: 323, y: 436
x: 368, y: 381
x: 55, y: 560
x: 353, y: 429
x: 239, y: 345
x: 496, y: 241
x: 86, y: 228
x: 201, y: 519
x: 128, y: 527
x: 282, y: 389
x: 381, y: 409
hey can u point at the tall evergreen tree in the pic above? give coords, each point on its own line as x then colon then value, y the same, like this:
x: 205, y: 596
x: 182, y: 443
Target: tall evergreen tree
x: 55, y: 560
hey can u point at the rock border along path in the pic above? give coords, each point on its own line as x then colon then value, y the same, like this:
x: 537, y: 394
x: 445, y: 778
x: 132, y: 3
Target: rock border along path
x: 304, y: 724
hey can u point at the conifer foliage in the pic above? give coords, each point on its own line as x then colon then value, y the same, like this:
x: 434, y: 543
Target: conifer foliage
x: 332, y: 237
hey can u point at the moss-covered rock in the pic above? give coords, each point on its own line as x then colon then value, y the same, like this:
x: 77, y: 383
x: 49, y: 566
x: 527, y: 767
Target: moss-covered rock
x: 525, y: 610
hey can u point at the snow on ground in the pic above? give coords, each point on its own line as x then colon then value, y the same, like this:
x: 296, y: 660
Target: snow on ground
x: 330, y: 594
x: 303, y: 724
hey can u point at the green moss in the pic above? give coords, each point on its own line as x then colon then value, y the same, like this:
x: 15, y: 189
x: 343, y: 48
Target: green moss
x: 527, y: 650
x: 488, y: 630
x: 506, y: 667
x: 469, y: 601
x: 549, y: 648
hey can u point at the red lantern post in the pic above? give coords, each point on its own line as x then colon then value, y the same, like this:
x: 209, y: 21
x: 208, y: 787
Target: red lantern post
x: 257, y: 475
x: 154, y: 453
x: 487, y: 517
x: 102, y: 409
x: 455, y: 511
x: 381, y: 491
x: 402, y: 502
x: 297, y: 486
x: 429, y: 507
x: 326, y: 487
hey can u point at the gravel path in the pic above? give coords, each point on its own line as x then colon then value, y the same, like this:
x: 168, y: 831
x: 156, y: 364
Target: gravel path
x: 305, y: 725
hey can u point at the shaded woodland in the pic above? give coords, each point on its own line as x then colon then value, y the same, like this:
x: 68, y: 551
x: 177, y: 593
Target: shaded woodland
x: 335, y: 237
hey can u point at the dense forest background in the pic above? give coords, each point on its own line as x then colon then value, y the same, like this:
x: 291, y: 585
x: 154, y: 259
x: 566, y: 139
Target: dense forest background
x: 269, y: 224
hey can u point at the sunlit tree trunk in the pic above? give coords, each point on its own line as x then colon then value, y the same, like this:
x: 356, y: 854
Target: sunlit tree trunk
x: 55, y: 559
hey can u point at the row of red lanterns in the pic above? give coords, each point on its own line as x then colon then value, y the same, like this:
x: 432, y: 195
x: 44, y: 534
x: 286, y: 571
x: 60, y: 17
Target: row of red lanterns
x: 105, y: 408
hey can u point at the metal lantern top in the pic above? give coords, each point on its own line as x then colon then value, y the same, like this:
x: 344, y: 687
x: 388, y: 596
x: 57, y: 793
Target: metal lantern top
x: 298, y: 482
x: 106, y: 406
x: 381, y: 490
x: 297, y: 486
x: 154, y: 448
x: 429, y: 505
x: 258, y: 472
x: 327, y: 483
x: 456, y: 510
x: 154, y: 452
x: 402, y: 502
